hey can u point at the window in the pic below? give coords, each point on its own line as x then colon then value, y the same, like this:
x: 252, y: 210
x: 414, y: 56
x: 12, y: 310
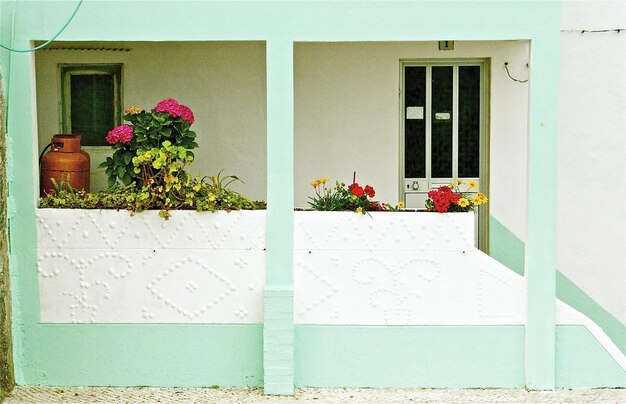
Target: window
x: 91, y: 102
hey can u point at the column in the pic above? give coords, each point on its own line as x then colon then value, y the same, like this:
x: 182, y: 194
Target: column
x: 541, y: 221
x: 278, y: 359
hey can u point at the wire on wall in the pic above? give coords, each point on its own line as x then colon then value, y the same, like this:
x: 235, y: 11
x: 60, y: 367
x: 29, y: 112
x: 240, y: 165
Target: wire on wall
x: 594, y: 31
x: 48, y: 42
x: 506, y: 66
x: 88, y: 49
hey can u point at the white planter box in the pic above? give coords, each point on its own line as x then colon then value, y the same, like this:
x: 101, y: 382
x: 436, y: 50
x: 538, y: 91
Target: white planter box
x: 110, y: 267
x: 383, y: 268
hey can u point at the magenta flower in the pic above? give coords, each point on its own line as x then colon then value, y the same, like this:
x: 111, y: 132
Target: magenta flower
x: 121, y: 134
x: 186, y: 114
x: 171, y: 106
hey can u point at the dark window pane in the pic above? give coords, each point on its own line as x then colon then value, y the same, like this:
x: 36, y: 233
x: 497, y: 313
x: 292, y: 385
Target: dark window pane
x: 469, y: 120
x: 92, y: 107
x: 415, y: 129
x: 441, y: 135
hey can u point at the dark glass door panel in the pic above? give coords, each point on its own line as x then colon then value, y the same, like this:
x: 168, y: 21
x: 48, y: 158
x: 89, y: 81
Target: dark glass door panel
x: 441, y: 117
x: 469, y: 121
x: 414, y: 126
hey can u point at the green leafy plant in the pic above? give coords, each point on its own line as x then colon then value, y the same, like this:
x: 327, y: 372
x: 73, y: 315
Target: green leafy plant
x: 341, y: 197
x: 169, y: 121
x: 193, y: 194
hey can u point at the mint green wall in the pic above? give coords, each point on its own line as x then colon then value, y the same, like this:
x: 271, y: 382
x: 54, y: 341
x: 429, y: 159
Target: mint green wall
x: 509, y: 250
x: 282, y: 23
x: 188, y: 355
x: 443, y: 357
x: 410, y: 356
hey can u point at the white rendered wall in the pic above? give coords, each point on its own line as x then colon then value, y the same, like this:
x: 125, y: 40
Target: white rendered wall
x: 592, y: 152
x: 222, y: 82
x: 381, y: 269
x: 347, y: 117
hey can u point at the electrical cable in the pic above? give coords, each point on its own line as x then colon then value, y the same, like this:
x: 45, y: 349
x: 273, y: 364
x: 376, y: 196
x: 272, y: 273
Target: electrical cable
x: 506, y: 66
x: 43, y: 45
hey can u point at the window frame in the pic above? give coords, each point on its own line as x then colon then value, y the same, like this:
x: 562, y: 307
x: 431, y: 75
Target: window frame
x: 67, y: 70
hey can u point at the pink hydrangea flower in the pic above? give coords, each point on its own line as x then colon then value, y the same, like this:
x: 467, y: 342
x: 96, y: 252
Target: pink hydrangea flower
x: 186, y: 114
x: 171, y: 106
x: 121, y: 134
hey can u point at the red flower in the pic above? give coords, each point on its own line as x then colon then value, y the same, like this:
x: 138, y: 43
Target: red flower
x: 121, y: 134
x: 171, y: 106
x: 442, y: 198
x: 356, y: 190
x: 186, y: 114
x: 370, y: 191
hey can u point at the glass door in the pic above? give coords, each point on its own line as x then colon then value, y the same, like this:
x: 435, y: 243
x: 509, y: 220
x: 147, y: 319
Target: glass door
x: 444, y: 136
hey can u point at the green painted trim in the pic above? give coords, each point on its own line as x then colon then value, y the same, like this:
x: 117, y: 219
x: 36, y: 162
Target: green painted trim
x: 574, y: 296
x: 410, y: 356
x: 167, y: 355
x: 67, y: 69
x: 22, y: 231
x: 505, y: 247
x: 278, y: 359
x: 541, y: 209
x: 443, y: 357
x: 582, y: 362
x: 509, y: 251
x: 280, y: 199
x: 278, y: 342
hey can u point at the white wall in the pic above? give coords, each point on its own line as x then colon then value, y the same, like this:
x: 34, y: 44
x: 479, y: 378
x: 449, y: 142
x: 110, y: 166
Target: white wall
x: 222, y: 82
x: 347, y: 117
x: 592, y: 151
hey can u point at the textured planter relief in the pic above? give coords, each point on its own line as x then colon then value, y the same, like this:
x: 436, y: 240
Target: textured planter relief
x: 109, y: 267
x: 399, y: 269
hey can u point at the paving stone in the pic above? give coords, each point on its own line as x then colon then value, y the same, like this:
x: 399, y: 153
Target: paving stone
x: 51, y: 395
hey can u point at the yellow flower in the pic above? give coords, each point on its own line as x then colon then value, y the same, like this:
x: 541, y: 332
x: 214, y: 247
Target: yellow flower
x: 453, y: 184
x: 479, y: 199
x: 323, y: 180
x: 400, y: 205
x: 315, y: 183
x: 196, y: 187
x: 132, y: 110
x: 472, y: 184
x: 462, y: 202
x: 359, y: 210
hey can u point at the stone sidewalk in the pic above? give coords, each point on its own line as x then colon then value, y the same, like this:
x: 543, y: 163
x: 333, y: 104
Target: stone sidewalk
x: 50, y: 395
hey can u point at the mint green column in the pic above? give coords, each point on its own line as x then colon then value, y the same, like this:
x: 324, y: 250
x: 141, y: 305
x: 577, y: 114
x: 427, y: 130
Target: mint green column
x: 541, y: 244
x: 278, y: 300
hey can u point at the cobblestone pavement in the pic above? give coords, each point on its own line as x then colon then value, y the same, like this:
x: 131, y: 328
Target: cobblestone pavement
x: 33, y: 394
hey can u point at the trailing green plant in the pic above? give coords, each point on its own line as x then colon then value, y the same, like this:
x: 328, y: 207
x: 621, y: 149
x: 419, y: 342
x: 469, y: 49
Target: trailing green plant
x: 169, y: 121
x: 185, y: 194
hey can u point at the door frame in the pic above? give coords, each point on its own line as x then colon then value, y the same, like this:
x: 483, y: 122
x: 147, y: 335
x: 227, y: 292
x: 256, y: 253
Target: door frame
x: 483, y: 156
